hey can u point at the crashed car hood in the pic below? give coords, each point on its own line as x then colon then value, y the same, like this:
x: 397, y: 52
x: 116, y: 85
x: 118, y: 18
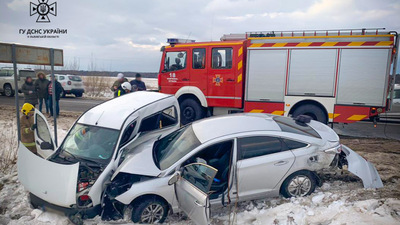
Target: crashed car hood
x: 52, y: 182
x: 363, y: 169
x: 140, y: 161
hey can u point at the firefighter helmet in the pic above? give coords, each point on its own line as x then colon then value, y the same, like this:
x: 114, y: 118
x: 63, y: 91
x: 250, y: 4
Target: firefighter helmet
x: 27, y: 108
x: 126, y: 86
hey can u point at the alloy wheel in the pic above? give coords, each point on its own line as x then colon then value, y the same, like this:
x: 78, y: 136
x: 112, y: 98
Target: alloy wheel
x: 299, y: 186
x: 153, y: 213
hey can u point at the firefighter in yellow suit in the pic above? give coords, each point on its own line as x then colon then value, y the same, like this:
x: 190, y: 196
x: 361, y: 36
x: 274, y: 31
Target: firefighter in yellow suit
x: 27, y: 127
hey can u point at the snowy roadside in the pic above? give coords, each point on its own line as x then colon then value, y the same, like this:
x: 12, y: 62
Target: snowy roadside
x: 341, y: 199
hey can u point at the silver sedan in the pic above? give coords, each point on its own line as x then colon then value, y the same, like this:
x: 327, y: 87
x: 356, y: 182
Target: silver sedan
x: 230, y: 158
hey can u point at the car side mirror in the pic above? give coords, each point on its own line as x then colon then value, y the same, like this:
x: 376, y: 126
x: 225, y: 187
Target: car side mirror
x: 174, y: 178
x: 46, y: 146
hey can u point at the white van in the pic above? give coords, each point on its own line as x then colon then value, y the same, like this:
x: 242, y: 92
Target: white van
x: 72, y: 177
x: 7, y: 79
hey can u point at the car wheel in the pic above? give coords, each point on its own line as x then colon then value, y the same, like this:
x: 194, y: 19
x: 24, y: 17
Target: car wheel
x: 191, y: 110
x: 8, y: 91
x: 150, y: 211
x: 78, y: 95
x: 299, y: 184
x: 63, y: 94
x: 315, y: 112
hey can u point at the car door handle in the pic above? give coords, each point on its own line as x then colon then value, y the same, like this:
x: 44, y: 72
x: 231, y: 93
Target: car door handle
x: 281, y: 163
x: 185, y: 79
x: 198, y: 204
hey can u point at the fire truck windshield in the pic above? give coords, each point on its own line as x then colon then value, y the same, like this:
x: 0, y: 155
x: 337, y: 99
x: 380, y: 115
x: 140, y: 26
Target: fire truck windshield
x: 175, y: 61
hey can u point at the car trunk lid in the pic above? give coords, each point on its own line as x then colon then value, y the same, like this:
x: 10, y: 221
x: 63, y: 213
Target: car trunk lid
x: 324, y: 131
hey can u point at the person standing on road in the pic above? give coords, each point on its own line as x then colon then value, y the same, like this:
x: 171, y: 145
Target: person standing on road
x: 125, y: 88
x: 41, y: 88
x: 117, y: 84
x: 29, y: 91
x: 59, y: 89
x: 27, y: 127
x: 138, y: 84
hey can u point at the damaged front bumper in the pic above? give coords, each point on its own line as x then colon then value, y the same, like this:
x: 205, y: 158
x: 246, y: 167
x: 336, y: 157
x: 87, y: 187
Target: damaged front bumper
x: 360, y: 167
x: 85, y: 213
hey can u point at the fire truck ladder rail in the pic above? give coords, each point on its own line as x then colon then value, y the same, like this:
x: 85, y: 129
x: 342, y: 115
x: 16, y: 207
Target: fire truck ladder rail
x: 302, y: 33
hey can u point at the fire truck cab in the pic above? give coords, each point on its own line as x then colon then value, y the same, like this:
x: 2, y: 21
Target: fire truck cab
x: 332, y: 76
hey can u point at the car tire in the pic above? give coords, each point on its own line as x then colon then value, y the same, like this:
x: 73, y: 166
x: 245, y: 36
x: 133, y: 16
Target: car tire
x: 191, y: 111
x: 78, y: 95
x: 158, y: 206
x: 299, y: 184
x: 315, y: 112
x: 63, y: 94
x: 8, y: 91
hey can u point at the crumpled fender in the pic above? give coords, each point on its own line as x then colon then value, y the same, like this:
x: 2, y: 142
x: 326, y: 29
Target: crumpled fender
x: 362, y: 169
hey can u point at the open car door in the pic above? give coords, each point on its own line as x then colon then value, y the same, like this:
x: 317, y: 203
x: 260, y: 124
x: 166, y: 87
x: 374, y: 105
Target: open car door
x: 192, y: 191
x: 43, y: 138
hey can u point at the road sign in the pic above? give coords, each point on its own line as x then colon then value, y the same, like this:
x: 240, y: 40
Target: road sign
x: 13, y: 53
x: 30, y: 55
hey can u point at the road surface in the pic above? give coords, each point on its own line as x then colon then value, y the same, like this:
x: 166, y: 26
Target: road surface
x: 67, y: 104
x: 384, y: 129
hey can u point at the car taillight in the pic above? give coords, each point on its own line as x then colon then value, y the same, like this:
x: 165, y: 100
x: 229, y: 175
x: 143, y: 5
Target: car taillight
x: 334, y: 150
x: 339, y: 149
x: 82, y: 186
x: 69, y: 82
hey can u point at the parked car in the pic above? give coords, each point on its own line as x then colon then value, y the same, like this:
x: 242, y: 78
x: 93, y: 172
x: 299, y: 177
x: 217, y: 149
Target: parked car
x: 7, y: 79
x: 72, y: 84
x: 231, y: 158
x: 72, y: 177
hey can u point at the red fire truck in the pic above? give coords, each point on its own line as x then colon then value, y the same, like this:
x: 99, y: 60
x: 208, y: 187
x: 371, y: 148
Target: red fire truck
x: 331, y: 75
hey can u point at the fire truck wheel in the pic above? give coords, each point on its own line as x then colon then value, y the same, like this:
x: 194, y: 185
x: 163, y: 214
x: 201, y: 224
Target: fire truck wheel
x: 191, y: 110
x: 314, y: 111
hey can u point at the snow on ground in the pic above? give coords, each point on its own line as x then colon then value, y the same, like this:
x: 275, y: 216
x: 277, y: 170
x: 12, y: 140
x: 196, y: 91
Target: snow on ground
x: 99, y: 86
x: 340, y: 200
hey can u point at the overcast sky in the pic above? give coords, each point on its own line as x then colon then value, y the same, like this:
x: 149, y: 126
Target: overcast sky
x: 126, y: 35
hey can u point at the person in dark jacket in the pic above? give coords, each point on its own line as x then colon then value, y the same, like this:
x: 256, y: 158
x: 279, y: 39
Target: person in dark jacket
x: 41, y: 88
x: 29, y: 91
x: 58, y: 92
x: 138, y: 84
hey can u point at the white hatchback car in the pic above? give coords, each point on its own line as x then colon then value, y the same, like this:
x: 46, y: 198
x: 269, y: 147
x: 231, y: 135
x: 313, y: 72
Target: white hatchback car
x: 226, y: 159
x: 72, y: 176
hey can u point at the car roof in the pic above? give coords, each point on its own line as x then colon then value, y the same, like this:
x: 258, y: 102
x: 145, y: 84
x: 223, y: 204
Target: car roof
x: 113, y: 113
x: 219, y: 126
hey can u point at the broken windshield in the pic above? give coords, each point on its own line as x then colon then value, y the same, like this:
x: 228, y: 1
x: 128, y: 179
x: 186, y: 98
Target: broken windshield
x: 90, y: 142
